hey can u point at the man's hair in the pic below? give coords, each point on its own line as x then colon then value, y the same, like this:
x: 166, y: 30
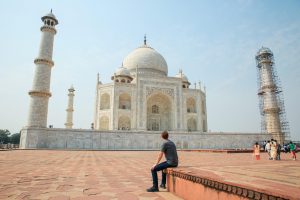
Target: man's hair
x: 165, y: 135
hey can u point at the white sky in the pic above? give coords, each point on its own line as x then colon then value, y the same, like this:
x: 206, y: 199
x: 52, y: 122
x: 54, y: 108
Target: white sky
x: 212, y: 41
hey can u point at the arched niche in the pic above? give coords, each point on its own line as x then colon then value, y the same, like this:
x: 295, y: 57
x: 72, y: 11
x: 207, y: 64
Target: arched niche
x: 192, y: 124
x: 124, y: 101
x: 124, y: 123
x: 105, y: 101
x: 159, y: 112
x: 191, y: 105
x: 104, y: 123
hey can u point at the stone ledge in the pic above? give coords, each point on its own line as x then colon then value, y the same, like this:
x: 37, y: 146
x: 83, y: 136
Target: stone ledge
x: 223, y: 186
x: 39, y: 93
x: 48, y: 28
x: 44, y: 61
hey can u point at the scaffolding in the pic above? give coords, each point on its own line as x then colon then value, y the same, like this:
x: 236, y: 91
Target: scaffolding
x: 271, y: 103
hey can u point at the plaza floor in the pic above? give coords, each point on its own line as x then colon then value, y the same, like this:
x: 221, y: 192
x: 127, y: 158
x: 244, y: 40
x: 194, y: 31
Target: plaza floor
x: 46, y: 174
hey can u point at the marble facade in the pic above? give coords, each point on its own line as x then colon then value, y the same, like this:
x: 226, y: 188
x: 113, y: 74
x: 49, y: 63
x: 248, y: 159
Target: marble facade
x: 143, y: 97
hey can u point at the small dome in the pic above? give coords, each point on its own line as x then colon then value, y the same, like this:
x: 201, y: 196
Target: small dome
x: 51, y: 16
x: 71, y: 89
x: 264, y: 50
x: 146, y: 58
x: 122, y: 71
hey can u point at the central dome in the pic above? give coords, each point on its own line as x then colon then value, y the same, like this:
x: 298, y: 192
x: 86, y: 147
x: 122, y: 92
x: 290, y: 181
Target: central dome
x: 146, y: 59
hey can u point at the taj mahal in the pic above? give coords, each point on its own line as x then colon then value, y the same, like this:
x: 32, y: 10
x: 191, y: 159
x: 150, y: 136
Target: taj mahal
x: 130, y: 112
x: 143, y: 97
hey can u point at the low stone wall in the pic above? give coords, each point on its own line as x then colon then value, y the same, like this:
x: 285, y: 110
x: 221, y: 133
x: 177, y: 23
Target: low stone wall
x: 53, y: 138
x: 193, y: 187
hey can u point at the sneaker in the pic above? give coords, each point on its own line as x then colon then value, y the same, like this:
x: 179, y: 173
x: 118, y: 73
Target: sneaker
x: 163, y: 186
x: 152, y: 189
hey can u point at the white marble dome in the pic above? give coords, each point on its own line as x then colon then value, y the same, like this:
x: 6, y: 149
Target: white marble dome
x: 51, y: 16
x: 147, y: 59
x: 264, y: 50
x: 122, y: 71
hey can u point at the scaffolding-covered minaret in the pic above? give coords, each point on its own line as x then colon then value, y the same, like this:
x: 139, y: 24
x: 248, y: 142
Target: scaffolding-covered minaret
x: 270, y: 97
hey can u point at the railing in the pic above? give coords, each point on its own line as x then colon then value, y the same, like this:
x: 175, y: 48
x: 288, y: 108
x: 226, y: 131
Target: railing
x: 9, y: 146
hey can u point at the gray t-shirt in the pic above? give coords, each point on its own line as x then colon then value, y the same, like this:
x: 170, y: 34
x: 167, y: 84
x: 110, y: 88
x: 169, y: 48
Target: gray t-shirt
x: 169, y: 148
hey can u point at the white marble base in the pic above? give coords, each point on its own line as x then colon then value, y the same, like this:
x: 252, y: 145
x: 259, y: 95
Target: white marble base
x: 54, y: 138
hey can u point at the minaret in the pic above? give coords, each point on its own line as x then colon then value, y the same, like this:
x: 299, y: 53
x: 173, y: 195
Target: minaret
x: 40, y: 93
x: 269, y: 91
x: 69, y: 120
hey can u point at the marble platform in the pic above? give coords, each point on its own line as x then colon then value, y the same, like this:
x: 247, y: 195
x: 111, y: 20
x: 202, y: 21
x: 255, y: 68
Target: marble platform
x: 56, y: 138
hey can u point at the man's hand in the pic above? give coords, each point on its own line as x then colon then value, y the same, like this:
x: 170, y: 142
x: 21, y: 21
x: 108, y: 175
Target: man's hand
x: 158, y: 159
x: 153, y: 166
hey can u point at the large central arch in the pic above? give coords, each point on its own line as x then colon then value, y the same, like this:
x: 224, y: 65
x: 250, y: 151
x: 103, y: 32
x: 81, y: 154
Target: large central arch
x: 159, y: 112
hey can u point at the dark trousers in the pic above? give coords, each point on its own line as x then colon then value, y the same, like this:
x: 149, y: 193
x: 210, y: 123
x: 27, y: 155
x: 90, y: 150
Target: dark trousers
x: 160, y: 166
x: 278, y: 155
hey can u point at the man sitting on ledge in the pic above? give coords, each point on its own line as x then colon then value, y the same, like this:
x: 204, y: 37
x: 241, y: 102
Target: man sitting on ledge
x: 169, y: 149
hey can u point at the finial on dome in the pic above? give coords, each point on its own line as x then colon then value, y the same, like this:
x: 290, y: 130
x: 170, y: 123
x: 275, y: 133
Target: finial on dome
x: 145, y: 39
x: 71, y: 89
x: 51, y: 10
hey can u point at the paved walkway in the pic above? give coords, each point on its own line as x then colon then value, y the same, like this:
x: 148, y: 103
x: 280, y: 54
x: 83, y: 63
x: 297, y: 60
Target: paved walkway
x: 53, y: 175
x: 43, y: 174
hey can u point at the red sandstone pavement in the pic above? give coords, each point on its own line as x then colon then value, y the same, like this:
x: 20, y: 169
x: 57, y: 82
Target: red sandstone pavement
x: 45, y: 174
x: 88, y: 175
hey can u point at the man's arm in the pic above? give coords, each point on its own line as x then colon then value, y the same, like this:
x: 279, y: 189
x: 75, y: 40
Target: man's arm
x: 160, y: 155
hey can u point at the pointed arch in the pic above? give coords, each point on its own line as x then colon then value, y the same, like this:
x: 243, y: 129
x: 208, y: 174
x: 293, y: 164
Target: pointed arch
x: 191, y: 105
x: 124, y: 123
x: 104, y: 123
x: 159, y: 112
x: 124, y: 101
x: 105, y: 101
x: 192, y: 124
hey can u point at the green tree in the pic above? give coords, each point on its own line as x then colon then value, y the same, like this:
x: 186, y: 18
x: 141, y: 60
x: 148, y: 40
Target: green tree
x: 15, y: 138
x: 4, y: 136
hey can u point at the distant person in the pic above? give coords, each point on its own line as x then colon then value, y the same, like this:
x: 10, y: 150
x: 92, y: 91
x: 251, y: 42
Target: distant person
x: 288, y: 148
x: 256, y: 151
x: 278, y: 151
x: 169, y: 149
x: 273, y: 149
x: 293, y: 150
x: 268, y: 149
x: 264, y: 144
x: 285, y: 148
